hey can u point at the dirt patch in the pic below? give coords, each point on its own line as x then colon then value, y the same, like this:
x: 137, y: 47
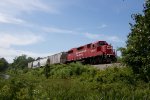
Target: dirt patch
x: 104, y: 66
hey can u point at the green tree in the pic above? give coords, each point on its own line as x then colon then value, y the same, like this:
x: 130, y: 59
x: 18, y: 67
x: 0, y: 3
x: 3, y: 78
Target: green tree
x: 47, y: 71
x: 21, y: 62
x: 137, y: 51
x: 3, y: 64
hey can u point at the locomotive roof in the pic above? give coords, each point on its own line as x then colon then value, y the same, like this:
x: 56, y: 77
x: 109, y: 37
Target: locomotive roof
x: 86, y: 44
x: 98, y: 41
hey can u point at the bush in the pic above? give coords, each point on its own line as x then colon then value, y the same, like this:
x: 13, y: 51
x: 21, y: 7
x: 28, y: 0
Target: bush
x: 74, y: 81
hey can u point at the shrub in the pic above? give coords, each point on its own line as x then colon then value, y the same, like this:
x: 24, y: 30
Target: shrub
x: 74, y: 81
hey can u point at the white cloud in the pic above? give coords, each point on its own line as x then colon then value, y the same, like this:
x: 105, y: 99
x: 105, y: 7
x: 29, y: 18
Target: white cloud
x: 86, y: 34
x: 114, y: 39
x: 10, y: 54
x: 103, y: 37
x: 18, y: 6
x: 27, y: 5
x: 7, y: 40
x: 58, y: 30
x: 9, y: 19
x: 92, y: 36
x: 10, y: 10
x: 102, y: 26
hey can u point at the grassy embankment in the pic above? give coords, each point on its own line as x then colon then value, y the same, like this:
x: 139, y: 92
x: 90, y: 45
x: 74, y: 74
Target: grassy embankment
x: 73, y: 82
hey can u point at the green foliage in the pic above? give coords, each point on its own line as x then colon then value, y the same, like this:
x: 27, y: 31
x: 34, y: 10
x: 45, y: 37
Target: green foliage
x: 47, y: 71
x: 137, y: 52
x: 116, y: 75
x: 3, y: 64
x: 21, y: 62
x: 67, y: 71
x: 73, y: 82
x: 119, y: 59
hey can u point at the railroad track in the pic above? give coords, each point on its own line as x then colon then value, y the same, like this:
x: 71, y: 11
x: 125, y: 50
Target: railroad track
x: 104, y: 66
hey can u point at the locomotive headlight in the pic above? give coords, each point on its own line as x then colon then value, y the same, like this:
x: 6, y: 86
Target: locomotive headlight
x: 109, y: 47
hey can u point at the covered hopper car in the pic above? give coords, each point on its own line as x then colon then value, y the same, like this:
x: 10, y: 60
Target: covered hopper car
x: 57, y: 58
x: 53, y: 59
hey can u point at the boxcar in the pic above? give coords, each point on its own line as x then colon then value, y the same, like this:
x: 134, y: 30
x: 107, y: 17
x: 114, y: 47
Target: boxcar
x: 57, y: 58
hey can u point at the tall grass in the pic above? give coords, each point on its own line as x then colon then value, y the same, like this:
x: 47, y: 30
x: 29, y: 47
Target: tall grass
x: 74, y: 82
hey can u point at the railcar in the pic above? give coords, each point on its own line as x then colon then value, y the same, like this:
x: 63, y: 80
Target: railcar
x: 36, y: 64
x: 43, y: 61
x: 93, y: 53
x: 57, y: 58
x: 30, y: 64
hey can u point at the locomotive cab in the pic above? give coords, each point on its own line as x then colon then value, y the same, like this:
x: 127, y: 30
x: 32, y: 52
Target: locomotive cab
x: 108, y: 51
x: 101, y: 43
x: 92, y: 53
x: 101, y: 46
x: 105, y: 47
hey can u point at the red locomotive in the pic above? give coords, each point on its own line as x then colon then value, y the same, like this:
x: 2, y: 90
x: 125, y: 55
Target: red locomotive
x: 93, y: 53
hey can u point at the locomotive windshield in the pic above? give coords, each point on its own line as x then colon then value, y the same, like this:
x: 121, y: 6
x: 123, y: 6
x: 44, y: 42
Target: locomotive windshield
x: 101, y: 43
x: 71, y: 51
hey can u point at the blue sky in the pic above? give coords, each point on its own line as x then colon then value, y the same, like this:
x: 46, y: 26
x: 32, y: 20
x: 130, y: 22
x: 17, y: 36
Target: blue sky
x: 44, y: 27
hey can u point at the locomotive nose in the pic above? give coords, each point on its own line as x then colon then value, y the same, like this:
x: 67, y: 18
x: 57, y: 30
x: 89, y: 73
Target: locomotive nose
x: 109, y: 47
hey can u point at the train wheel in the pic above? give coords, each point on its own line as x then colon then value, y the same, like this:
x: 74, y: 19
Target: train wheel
x: 92, y: 61
x: 114, y: 59
x: 95, y: 60
x: 99, y: 60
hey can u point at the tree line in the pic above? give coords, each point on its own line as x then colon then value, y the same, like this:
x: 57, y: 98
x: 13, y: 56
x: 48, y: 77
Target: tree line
x: 20, y: 62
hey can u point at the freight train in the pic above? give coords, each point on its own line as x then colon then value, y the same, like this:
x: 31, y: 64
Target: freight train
x: 92, y: 53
